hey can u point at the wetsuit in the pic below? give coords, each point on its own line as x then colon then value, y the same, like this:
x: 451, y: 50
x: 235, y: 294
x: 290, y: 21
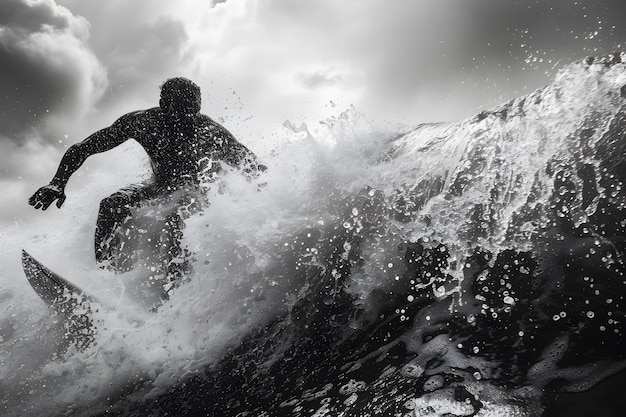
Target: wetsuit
x: 185, y: 152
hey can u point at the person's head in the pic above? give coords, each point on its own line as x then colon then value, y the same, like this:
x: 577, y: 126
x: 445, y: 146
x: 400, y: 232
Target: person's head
x: 180, y: 96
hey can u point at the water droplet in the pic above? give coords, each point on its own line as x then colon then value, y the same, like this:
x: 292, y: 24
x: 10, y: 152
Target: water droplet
x: 412, y: 370
x: 433, y: 383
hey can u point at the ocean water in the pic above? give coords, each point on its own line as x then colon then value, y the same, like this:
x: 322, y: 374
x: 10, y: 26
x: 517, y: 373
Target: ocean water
x: 467, y: 268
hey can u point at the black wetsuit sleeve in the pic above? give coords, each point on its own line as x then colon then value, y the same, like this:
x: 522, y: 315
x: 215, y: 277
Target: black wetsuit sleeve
x: 100, y: 141
x: 239, y: 156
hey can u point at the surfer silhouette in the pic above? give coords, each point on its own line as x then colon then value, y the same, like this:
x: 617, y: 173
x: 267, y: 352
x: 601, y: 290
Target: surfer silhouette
x: 186, y: 149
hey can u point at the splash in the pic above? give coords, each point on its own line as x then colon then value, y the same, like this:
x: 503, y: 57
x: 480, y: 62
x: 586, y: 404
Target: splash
x: 466, y: 268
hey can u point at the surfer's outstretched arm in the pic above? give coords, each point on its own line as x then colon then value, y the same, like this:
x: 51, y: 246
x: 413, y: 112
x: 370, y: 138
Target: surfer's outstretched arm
x: 239, y: 156
x: 100, y: 141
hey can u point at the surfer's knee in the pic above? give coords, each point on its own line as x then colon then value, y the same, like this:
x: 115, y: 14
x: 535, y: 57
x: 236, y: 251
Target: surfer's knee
x: 114, y: 202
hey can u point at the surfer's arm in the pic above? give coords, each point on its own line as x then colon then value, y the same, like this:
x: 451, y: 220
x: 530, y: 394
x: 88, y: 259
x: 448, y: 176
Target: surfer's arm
x: 100, y: 141
x: 227, y: 149
x: 239, y: 156
x: 76, y: 155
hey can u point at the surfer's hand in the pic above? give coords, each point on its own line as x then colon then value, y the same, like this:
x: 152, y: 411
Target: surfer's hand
x: 46, y: 195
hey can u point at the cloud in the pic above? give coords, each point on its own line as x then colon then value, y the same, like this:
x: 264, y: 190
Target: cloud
x: 142, y: 43
x: 26, y: 160
x: 319, y: 78
x: 260, y: 62
x: 47, y: 67
x: 140, y: 55
x: 408, y: 58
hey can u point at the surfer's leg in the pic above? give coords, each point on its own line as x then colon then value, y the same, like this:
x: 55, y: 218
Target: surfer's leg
x: 176, y: 257
x: 176, y: 262
x: 114, y: 211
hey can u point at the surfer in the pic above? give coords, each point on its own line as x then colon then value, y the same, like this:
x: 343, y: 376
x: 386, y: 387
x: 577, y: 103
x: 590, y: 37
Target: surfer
x: 186, y: 149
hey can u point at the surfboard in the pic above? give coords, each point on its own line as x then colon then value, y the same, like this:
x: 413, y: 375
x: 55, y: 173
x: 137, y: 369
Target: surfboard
x: 67, y: 299
x: 51, y: 287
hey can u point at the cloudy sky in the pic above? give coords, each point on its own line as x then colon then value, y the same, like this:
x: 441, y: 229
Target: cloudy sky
x: 70, y: 67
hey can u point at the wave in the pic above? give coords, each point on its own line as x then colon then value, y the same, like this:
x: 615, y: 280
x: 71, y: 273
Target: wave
x: 470, y: 268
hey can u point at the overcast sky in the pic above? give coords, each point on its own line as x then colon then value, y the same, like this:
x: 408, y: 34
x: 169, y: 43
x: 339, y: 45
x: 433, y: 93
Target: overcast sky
x: 70, y: 67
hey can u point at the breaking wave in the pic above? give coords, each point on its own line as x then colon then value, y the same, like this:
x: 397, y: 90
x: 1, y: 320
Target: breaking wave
x: 469, y: 268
